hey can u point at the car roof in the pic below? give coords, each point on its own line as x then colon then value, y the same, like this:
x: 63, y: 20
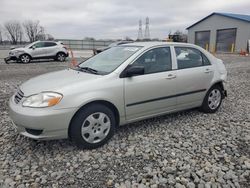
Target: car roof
x: 152, y: 44
x: 49, y: 41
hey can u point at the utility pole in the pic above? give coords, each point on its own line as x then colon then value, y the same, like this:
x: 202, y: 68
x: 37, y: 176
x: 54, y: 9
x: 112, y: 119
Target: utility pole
x: 147, y: 34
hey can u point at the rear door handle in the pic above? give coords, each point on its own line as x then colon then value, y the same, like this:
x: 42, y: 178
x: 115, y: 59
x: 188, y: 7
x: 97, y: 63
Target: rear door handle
x: 171, y: 76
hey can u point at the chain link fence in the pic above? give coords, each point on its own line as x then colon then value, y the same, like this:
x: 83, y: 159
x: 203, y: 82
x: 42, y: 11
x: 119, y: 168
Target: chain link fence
x: 85, y: 44
x: 72, y: 44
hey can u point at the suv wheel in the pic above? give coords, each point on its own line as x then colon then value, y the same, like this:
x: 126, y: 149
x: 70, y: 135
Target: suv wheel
x: 92, y: 126
x: 25, y: 58
x: 212, y: 100
x: 61, y: 57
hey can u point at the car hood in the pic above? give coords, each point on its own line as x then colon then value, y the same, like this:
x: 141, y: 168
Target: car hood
x: 17, y: 49
x: 56, y: 81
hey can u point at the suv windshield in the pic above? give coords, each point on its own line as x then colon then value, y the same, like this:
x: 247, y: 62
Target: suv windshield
x: 109, y: 60
x: 31, y: 44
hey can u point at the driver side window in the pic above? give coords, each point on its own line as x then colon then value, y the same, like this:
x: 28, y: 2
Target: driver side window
x: 155, y: 60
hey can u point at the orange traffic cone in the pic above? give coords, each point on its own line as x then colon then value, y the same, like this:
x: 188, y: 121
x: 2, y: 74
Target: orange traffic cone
x: 73, y: 62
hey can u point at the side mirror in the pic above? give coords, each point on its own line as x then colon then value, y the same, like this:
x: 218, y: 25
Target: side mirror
x: 33, y: 47
x: 133, y: 71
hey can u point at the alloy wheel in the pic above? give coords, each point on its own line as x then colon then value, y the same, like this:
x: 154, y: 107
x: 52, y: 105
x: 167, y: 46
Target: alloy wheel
x: 25, y: 58
x: 61, y: 57
x: 214, y: 99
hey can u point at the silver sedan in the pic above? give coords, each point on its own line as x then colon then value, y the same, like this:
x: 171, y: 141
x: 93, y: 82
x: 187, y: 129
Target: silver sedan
x: 123, y: 84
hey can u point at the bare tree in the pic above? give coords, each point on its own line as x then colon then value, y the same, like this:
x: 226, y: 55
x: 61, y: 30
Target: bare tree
x: 178, y: 36
x: 89, y: 38
x: 33, y: 29
x: 45, y: 37
x: 127, y: 38
x: 50, y: 37
x: 14, y: 31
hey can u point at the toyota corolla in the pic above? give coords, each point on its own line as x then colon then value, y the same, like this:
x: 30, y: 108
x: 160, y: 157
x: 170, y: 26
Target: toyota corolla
x: 123, y: 84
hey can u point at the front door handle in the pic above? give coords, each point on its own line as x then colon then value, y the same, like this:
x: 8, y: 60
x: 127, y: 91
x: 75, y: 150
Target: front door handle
x: 208, y: 71
x: 171, y: 76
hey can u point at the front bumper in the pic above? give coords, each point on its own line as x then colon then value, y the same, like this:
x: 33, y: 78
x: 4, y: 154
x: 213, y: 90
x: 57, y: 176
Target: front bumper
x: 50, y: 123
x: 9, y: 58
x: 224, y: 93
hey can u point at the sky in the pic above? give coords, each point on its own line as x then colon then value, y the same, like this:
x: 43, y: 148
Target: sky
x: 115, y: 19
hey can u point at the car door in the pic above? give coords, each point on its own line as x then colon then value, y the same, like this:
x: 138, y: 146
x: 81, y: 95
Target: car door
x: 194, y: 76
x: 153, y: 92
x: 50, y: 49
x: 38, y: 50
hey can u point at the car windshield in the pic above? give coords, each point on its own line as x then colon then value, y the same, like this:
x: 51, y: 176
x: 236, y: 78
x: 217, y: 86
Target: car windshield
x: 29, y: 45
x: 109, y: 60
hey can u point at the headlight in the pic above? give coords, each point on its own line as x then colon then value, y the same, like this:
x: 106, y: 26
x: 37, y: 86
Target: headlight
x: 11, y: 53
x: 19, y: 52
x: 45, y: 99
x: 16, y: 52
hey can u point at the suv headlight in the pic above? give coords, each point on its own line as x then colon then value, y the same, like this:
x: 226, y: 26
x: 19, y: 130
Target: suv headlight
x: 11, y: 53
x: 16, y: 52
x: 19, y: 52
x: 44, y: 99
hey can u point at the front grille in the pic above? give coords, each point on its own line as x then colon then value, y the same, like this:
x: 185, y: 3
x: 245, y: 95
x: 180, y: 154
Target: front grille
x: 18, y: 96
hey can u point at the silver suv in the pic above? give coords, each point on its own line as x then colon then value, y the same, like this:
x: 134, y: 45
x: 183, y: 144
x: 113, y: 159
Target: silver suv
x: 39, y: 50
x: 123, y: 84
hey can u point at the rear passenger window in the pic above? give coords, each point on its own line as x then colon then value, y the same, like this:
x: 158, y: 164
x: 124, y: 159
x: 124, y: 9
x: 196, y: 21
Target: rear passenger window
x: 190, y: 57
x: 49, y: 44
x: 155, y: 60
x: 205, y: 60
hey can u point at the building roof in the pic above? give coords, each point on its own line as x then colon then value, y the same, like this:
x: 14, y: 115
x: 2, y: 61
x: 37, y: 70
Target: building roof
x: 242, y: 17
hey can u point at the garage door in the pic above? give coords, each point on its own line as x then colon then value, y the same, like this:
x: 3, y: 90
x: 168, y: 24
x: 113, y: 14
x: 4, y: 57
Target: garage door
x: 202, y: 39
x: 225, y: 40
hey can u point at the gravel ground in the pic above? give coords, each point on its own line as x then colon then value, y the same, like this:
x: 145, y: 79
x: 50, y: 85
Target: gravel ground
x: 186, y: 149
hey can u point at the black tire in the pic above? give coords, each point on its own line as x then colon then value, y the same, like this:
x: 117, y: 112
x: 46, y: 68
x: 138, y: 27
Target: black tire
x: 76, y: 125
x: 206, y: 105
x: 60, y: 56
x: 25, y: 58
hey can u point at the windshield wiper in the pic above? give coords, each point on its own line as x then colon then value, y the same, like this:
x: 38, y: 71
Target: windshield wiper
x: 88, y: 69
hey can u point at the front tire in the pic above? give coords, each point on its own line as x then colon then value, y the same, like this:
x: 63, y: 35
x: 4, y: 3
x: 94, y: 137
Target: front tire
x: 25, y: 58
x: 212, y: 100
x: 61, y: 57
x: 92, y: 126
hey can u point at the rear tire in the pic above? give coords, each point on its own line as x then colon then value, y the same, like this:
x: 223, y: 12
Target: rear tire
x: 92, y: 126
x: 61, y: 57
x: 25, y: 58
x: 212, y: 100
